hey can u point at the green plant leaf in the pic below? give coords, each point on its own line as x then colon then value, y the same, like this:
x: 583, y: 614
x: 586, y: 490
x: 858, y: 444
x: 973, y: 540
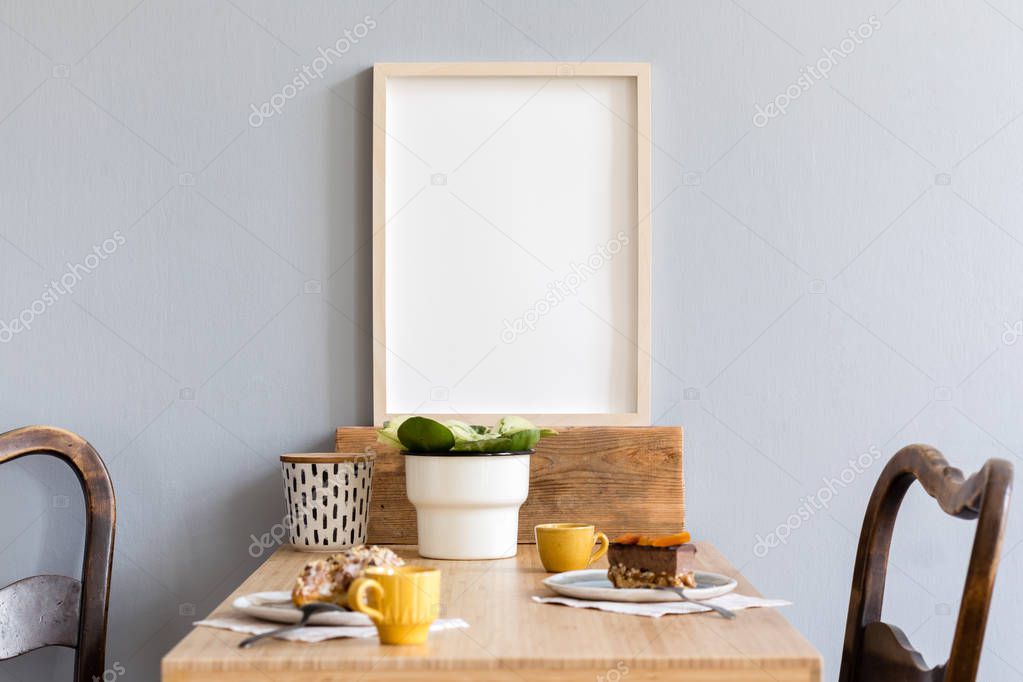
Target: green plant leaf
x: 389, y: 434
x: 421, y: 434
x: 492, y: 443
x: 518, y: 441
x: 461, y: 431
x: 526, y: 439
x: 512, y: 424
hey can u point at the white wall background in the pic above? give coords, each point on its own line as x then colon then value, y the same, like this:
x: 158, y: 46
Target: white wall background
x: 845, y: 277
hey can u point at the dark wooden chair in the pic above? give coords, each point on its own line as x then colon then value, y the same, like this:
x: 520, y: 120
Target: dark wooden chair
x: 55, y: 610
x: 876, y: 651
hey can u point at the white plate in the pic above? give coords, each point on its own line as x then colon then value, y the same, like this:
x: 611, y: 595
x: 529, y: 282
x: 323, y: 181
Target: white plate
x: 277, y: 607
x: 593, y: 584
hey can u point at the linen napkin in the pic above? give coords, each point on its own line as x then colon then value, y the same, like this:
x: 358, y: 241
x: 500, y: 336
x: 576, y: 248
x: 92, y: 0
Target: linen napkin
x: 731, y: 601
x: 312, y: 633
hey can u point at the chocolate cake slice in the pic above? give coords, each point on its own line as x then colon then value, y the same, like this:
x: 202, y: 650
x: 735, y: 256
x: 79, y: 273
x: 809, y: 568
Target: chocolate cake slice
x: 636, y: 565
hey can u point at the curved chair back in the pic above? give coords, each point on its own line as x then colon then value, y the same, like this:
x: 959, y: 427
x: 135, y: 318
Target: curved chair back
x: 878, y: 651
x: 53, y: 610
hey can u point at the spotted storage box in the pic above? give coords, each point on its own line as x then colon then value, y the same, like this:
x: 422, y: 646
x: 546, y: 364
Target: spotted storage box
x: 328, y: 496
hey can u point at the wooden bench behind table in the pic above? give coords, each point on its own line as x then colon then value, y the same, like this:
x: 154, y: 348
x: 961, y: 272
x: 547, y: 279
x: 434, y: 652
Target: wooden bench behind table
x: 621, y: 479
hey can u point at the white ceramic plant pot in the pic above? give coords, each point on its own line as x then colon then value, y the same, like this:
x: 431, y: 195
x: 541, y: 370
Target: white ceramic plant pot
x: 467, y: 506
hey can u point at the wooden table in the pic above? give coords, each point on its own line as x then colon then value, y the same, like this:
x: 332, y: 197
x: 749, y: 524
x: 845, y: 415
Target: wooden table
x: 511, y: 638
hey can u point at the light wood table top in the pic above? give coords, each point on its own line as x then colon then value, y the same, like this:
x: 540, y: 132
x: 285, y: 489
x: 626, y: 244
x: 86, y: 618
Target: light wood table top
x: 510, y: 638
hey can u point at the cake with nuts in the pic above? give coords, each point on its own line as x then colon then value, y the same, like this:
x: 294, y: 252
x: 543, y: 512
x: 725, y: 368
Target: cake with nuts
x: 328, y: 580
x: 636, y: 560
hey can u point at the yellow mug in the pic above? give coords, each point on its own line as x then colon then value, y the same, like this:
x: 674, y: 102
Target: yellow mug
x: 407, y: 601
x: 568, y: 546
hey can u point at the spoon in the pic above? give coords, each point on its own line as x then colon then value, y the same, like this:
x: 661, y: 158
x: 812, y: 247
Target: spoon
x: 713, y: 607
x: 308, y: 611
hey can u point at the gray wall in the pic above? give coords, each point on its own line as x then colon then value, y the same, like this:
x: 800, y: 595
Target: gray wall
x: 838, y: 279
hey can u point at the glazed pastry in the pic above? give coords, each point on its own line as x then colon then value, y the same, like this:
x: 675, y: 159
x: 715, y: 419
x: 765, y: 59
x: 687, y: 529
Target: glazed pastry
x: 640, y: 561
x: 327, y: 580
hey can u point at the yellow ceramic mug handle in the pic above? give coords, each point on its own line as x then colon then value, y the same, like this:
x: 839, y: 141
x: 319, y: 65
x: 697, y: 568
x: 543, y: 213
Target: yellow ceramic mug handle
x: 602, y: 550
x: 357, y: 597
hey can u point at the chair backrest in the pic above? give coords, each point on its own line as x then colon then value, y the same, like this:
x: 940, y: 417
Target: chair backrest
x: 619, y: 478
x: 877, y: 651
x: 52, y: 610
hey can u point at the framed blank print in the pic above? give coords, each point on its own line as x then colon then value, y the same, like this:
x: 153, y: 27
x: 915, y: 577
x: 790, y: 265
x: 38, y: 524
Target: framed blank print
x: 511, y: 241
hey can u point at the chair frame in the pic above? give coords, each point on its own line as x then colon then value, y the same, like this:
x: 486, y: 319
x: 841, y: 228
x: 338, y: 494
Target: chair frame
x: 55, y: 594
x: 875, y: 650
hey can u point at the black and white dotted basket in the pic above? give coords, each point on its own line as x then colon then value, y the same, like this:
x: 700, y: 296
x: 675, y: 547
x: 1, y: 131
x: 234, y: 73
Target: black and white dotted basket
x: 328, y: 498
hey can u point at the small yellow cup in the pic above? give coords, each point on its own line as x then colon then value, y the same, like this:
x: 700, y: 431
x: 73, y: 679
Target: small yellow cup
x: 568, y: 546
x: 407, y: 601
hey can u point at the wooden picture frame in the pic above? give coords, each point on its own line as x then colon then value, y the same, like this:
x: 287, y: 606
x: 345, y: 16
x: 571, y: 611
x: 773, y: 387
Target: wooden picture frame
x: 559, y: 157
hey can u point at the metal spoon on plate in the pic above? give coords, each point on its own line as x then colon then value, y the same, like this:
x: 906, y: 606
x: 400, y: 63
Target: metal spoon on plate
x: 680, y: 591
x: 308, y: 611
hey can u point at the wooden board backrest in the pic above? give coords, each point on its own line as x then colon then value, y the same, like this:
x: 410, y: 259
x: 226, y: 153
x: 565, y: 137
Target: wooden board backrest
x: 621, y: 479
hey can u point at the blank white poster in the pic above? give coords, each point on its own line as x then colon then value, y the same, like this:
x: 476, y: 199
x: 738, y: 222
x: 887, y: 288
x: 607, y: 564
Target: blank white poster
x: 511, y: 245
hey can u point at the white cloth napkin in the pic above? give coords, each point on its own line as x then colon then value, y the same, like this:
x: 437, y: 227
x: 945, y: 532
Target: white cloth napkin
x: 311, y: 633
x: 731, y: 601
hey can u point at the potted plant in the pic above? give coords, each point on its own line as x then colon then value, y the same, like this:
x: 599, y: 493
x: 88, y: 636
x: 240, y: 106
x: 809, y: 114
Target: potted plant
x: 466, y: 482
